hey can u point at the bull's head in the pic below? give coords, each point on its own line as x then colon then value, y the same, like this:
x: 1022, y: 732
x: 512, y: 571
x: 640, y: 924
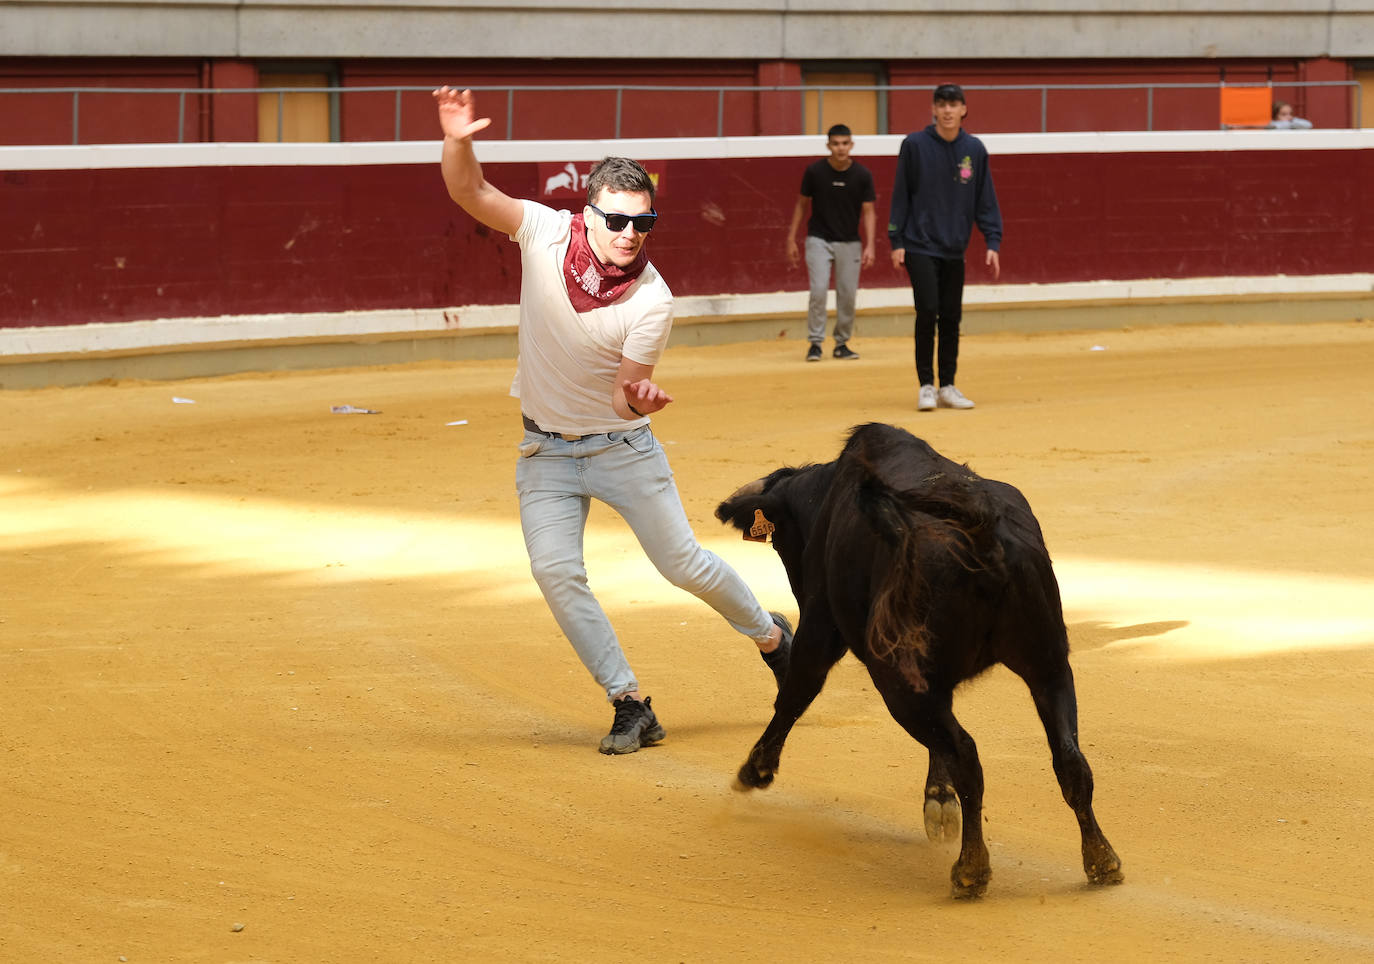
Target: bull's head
x: 783, y: 506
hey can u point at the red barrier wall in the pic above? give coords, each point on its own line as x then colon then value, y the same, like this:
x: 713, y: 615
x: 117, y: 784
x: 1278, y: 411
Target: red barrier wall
x: 80, y: 246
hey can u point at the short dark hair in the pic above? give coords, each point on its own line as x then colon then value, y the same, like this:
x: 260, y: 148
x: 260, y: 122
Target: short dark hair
x: 949, y: 93
x: 1278, y: 106
x: 839, y: 130
x: 620, y: 174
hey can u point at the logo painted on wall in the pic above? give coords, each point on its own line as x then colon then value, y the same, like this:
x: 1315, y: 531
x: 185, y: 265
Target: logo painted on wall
x: 565, y: 181
x: 570, y: 180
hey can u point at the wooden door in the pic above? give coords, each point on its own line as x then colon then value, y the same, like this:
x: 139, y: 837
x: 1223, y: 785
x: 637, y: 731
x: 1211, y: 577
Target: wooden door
x: 833, y: 102
x: 303, y: 116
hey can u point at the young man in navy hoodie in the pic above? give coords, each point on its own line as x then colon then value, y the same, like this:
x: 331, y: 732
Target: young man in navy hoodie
x: 942, y: 188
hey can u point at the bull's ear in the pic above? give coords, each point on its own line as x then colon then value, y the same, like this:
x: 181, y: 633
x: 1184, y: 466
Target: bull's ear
x: 756, y: 509
x: 729, y: 512
x: 738, y: 509
x: 750, y: 516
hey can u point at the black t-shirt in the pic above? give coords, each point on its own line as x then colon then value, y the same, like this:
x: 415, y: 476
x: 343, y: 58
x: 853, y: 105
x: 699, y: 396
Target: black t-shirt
x: 837, y: 199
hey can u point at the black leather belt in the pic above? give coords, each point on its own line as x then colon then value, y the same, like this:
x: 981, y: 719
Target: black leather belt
x: 533, y: 426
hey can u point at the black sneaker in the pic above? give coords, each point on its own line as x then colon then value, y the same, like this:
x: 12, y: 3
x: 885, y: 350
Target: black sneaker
x: 635, y: 726
x: 778, y: 659
x: 813, y: 353
x: 845, y: 352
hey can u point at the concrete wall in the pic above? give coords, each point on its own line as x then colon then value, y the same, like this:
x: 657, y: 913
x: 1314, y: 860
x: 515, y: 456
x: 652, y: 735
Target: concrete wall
x: 748, y: 29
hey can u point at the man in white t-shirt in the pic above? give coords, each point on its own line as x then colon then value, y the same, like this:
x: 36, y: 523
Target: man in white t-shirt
x: 594, y: 320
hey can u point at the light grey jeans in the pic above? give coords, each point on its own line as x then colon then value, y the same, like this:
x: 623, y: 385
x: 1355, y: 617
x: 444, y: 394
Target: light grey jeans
x: 629, y: 472
x: 844, y: 258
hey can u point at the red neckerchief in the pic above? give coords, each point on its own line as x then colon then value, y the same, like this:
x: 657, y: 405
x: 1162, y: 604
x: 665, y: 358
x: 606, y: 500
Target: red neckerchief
x: 592, y: 284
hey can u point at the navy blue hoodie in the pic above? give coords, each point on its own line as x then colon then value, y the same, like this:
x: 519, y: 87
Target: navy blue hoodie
x: 942, y: 188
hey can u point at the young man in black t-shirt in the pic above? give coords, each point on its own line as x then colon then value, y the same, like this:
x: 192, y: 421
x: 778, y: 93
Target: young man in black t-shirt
x: 840, y: 191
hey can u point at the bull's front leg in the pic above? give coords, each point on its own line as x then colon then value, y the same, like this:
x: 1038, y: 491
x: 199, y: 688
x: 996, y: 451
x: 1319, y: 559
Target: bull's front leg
x: 816, y: 647
x: 758, y: 771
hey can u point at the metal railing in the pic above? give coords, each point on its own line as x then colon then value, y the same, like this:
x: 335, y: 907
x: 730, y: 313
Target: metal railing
x: 806, y: 93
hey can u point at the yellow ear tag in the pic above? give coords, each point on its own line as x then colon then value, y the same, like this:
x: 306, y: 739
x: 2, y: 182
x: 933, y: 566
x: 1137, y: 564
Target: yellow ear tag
x: 761, y: 529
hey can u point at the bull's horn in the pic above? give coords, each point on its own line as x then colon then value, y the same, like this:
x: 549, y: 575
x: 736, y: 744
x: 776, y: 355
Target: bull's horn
x: 749, y: 488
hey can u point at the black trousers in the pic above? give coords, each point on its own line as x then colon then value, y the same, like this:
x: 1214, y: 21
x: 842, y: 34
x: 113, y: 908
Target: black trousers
x: 937, y: 286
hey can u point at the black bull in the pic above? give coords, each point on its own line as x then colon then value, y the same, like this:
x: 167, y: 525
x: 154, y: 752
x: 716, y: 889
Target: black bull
x: 929, y: 574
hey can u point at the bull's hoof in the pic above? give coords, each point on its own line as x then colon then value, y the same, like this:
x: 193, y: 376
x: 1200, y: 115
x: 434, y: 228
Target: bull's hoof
x: 942, y: 819
x: 752, y: 778
x: 1107, y: 873
x: 1100, y: 861
x: 969, y: 886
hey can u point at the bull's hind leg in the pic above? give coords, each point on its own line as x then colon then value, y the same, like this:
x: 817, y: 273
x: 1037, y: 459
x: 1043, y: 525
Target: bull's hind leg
x: 814, y: 651
x: 929, y: 718
x: 1057, y: 705
x: 971, y: 872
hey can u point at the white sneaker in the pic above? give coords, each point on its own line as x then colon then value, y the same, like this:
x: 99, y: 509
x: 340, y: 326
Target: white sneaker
x: 925, y: 402
x: 951, y: 397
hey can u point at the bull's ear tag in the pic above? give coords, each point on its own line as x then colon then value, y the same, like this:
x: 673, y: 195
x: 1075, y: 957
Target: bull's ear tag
x: 761, y: 529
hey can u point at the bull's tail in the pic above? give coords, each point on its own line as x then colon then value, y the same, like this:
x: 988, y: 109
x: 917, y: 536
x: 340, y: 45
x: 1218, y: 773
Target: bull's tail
x: 946, y: 513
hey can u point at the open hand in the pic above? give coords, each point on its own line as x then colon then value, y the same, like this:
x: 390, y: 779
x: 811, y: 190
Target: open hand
x: 458, y: 113
x: 645, y: 397
x: 994, y: 261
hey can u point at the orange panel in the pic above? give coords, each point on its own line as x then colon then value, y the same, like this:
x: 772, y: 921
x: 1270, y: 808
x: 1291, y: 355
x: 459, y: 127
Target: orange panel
x: 1246, y: 106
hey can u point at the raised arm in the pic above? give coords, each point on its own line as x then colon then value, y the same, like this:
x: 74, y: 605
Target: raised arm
x: 462, y: 173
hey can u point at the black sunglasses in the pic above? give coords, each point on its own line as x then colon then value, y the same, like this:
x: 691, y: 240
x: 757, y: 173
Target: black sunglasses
x: 644, y: 223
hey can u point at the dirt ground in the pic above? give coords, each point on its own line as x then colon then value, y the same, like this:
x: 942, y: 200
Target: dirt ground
x: 280, y: 668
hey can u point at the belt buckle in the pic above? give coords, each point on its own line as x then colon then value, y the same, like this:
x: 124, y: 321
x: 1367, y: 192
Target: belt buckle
x: 569, y: 438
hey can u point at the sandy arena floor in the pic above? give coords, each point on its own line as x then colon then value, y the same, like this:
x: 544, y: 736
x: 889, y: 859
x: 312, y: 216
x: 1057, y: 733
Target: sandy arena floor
x: 275, y: 667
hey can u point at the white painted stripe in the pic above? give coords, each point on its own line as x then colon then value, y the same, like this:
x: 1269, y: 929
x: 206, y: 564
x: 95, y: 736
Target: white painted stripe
x: 324, y: 326
x: 116, y: 156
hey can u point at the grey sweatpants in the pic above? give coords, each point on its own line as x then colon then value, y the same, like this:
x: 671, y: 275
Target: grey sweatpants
x: 844, y: 258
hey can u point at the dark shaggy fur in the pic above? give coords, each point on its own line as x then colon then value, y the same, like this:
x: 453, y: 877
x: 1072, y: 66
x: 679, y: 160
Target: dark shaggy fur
x: 929, y: 574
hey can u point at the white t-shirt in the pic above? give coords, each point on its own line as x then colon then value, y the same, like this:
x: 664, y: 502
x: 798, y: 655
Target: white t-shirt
x: 565, y: 376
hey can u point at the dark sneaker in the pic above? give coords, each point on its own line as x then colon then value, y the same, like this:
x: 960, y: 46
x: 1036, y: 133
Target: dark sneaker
x: 778, y: 659
x: 845, y: 352
x: 813, y: 353
x: 635, y: 726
